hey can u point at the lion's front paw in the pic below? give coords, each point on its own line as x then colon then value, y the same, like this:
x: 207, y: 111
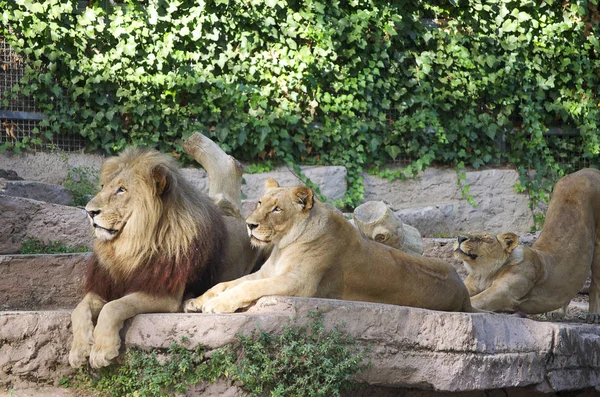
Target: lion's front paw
x: 83, y: 340
x: 217, y: 305
x: 104, y: 351
x: 78, y: 356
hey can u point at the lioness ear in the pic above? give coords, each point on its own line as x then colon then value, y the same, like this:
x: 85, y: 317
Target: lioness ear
x: 271, y: 183
x: 162, y: 179
x: 509, y: 241
x: 304, y: 196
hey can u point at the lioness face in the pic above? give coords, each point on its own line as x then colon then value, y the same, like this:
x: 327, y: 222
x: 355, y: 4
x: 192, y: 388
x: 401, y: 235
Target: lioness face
x: 127, y: 188
x: 277, y: 212
x: 484, y: 250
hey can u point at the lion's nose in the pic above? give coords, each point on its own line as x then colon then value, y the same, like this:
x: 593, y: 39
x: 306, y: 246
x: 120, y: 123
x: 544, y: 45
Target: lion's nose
x: 252, y: 226
x: 92, y: 213
x: 461, y: 239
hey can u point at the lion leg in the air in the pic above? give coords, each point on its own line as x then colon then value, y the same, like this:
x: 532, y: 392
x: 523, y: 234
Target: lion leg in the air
x: 248, y: 292
x: 112, y: 316
x: 558, y: 314
x: 195, y: 305
x: 82, y: 324
x: 593, y: 315
x: 224, y: 172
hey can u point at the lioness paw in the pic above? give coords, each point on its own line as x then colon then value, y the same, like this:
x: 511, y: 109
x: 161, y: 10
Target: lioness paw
x: 218, y: 306
x: 190, y: 306
x: 555, y: 316
x: 592, y: 318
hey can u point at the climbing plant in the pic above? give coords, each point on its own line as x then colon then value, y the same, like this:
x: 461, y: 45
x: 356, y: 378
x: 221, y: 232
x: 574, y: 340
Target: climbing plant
x: 356, y: 83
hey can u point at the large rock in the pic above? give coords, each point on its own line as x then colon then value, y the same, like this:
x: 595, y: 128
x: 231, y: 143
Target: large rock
x: 408, y: 347
x: 41, y: 282
x: 39, y: 191
x: 331, y: 181
x: 433, y: 201
x: 23, y: 219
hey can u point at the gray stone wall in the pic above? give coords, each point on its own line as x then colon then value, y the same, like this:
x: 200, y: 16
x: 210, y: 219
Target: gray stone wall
x: 432, y: 202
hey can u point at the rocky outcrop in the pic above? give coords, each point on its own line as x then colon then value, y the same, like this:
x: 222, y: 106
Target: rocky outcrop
x: 23, y: 218
x: 39, y: 191
x: 433, y: 201
x: 408, y: 347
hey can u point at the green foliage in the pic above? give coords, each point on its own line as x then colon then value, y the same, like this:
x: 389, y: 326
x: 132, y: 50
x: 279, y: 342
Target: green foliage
x: 355, y: 83
x: 302, y: 361
x: 258, y: 168
x: 82, y: 182
x: 299, y: 362
x: 34, y: 246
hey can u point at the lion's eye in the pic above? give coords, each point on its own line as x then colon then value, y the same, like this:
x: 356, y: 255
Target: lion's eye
x: 276, y: 209
x: 120, y: 190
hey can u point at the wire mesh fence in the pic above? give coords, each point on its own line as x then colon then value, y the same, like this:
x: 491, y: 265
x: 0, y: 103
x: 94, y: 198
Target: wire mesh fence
x: 19, y: 116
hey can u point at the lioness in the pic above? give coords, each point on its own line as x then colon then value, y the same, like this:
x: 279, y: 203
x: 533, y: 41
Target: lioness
x: 156, y: 238
x: 509, y: 277
x: 318, y: 253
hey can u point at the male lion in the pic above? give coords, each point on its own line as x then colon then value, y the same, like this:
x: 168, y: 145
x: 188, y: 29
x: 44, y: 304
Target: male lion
x: 318, y: 253
x: 156, y: 239
x: 509, y: 277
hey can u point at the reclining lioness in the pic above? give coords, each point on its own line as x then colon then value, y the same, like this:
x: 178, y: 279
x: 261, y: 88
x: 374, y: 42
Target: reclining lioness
x: 507, y: 276
x: 318, y: 253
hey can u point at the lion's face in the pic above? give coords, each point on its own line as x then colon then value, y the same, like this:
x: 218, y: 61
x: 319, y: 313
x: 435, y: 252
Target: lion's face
x: 112, y: 207
x: 129, y: 191
x: 278, y: 212
x: 485, y: 250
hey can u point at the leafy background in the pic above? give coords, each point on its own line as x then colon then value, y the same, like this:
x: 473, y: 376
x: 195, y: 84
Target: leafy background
x: 353, y: 83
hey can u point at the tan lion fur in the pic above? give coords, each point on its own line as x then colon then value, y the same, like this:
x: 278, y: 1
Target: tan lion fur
x: 506, y: 276
x: 318, y: 253
x: 157, y: 238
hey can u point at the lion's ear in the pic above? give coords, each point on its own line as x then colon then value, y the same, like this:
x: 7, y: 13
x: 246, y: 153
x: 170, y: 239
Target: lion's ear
x: 509, y: 241
x: 162, y: 179
x: 304, y: 196
x: 271, y: 183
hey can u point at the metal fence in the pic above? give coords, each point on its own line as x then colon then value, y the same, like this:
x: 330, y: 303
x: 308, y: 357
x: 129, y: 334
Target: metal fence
x: 19, y: 115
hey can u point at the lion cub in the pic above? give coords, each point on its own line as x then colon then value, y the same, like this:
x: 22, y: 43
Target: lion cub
x: 509, y: 277
x: 318, y: 253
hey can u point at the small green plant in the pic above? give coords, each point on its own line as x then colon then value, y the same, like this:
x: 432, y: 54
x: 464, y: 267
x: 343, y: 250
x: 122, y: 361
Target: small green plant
x: 34, y: 246
x: 302, y: 361
x: 258, y: 168
x: 82, y: 182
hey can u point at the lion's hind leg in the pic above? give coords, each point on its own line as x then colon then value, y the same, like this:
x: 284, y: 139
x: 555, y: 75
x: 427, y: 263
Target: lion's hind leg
x: 594, y: 311
x: 82, y: 324
x: 112, y: 316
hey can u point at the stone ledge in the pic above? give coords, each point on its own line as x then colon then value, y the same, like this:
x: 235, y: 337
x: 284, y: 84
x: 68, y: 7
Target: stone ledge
x: 409, y: 348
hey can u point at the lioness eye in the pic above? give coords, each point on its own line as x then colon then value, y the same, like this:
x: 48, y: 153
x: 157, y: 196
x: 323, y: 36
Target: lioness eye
x: 276, y: 209
x: 120, y: 190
